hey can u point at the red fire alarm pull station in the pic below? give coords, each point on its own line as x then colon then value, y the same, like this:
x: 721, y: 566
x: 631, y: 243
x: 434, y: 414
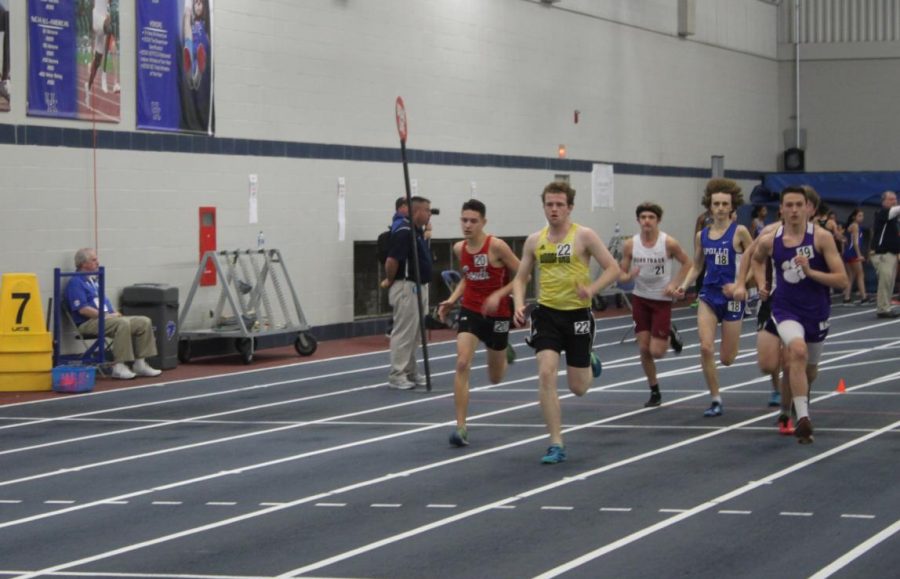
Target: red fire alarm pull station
x: 208, y: 243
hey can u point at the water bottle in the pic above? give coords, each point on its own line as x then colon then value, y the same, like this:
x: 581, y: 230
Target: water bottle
x: 260, y: 241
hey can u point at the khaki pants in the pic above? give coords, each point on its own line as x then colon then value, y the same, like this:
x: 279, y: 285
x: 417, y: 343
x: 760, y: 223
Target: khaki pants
x: 886, y: 268
x: 405, y: 335
x: 132, y: 336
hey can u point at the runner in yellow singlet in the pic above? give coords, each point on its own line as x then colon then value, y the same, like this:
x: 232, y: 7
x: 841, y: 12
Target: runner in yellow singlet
x: 562, y: 320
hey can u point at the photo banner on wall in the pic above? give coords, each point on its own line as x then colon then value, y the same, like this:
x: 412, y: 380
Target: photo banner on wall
x: 175, y: 66
x: 4, y: 47
x: 73, y: 59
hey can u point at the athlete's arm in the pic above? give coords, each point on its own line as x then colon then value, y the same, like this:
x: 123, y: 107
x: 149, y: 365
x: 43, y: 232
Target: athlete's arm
x: 627, y: 274
x: 761, y: 252
x: 696, y: 267
x: 676, y: 252
x: 445, y: 306
x: 505, y: 255
x: 836, y: 277
x: 521, y: 279
x: 594, y: 246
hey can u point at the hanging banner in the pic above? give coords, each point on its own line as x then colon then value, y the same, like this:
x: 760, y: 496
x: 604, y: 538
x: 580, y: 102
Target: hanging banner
x: 602, y: 186
x: 175, y: 66
x: 5, y: 56
x: 73, y: 59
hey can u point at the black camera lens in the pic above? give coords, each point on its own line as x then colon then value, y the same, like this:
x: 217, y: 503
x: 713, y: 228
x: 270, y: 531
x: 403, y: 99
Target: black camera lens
x: 435, y: 211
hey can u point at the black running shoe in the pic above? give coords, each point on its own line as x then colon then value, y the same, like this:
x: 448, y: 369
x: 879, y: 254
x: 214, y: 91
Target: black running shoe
x: 655, y: 400
x: 675, y: 340
x: 804, y: 431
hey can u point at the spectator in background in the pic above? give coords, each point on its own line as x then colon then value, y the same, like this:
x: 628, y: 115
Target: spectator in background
x: 758, y: 220
x: 400, y: 280
x: 132, y: 336
x: 4, y: 45
x: 854, y: 257
x: 886, y: 245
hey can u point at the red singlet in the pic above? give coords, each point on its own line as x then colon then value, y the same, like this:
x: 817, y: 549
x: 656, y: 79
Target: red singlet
x: 483, y: 279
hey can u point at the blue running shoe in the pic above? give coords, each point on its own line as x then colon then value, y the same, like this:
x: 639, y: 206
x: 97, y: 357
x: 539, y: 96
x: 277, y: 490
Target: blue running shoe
x: 775, y: 399
x: 714, y: 410
x: 460, y: 437
x: 596, y: 365
x: 556, y: 453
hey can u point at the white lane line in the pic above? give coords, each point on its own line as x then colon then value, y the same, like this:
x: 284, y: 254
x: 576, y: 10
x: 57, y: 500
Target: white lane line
x: 271, y: 504
x: 855, y: 516
x: 504, y: 507
x: 672, y: 510
x: 59, y: 502
x: 114, y: 502
x: 857, y: 552
x: 616, y: 509
x: 379, y: 480
x: 221, y: 503
x: 795, y: 514
x: 731, y: 512
x: 608, y: 548
x: 331, y: 505
x: 557, y: 508
x: 167, y: 503
x: 440, y: 506
x: 385, y: 505
x: 10, y: 501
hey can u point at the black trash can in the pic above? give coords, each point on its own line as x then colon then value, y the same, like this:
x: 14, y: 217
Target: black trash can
x: 159, y: 302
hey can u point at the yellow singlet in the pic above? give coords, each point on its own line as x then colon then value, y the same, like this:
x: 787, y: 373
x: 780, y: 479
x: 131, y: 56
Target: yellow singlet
x: 559, y: 272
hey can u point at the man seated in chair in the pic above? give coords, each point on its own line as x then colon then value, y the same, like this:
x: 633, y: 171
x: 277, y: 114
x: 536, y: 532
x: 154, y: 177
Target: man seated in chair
x: 132, y: 336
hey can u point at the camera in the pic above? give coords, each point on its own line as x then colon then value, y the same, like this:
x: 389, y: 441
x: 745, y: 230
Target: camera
x: 435, y: 211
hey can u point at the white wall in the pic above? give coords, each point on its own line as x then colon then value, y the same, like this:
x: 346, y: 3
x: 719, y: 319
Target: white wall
x: 478, y: 76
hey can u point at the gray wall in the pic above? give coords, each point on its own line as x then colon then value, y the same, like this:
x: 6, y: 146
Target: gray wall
x: 496, y: 77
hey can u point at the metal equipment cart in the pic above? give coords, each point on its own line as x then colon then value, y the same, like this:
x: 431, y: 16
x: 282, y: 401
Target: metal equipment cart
x: 244, y: 315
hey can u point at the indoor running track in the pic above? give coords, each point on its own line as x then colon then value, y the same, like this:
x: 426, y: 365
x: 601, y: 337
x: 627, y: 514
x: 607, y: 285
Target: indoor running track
x: 318, y: 469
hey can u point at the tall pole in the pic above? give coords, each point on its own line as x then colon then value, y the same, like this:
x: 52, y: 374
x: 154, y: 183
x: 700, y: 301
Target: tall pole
x: 400, y: 111
x: 797, y: 72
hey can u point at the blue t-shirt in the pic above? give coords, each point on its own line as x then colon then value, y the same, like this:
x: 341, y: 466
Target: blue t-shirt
x: 84, y: 291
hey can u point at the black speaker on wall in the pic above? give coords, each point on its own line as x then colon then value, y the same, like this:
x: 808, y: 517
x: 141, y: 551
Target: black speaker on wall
x: 794, y: 160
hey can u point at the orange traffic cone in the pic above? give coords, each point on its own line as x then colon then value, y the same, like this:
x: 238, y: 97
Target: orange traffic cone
x: 842, y: 386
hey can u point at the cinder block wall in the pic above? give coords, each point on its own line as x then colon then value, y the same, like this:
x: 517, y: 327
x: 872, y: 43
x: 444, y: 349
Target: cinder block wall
x: 305, y: 94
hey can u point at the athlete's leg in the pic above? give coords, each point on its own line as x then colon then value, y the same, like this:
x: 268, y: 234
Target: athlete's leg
x: 496, y: 365
x: 647, y: 362
x: 706, y: 330
x: 548, y: 366
x: 465, y: 350
x: 731, y: 337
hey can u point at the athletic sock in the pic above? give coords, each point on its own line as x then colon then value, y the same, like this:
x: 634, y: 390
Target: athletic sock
x: 801, y: 406
x: 717, y: 399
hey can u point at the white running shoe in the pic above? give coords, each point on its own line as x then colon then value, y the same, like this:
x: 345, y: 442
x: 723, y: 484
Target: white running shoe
x: 116, y: 88
x: 142, y: 368
x: 121, y: 372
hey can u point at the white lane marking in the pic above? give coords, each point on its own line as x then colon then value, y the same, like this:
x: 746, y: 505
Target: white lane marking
x: 504, y: 507
x: 646, y: 531
x: 371, y: 482
x: 732, y: 512
x: 857, y: 552
x: 332, y: 505
x: 440, y: 506
x: 167, y: 503
x: 557, y: 508
x: 270, y: 504
x: 59, y: 502
x: 114, y: 502
x: 10, y: 501
x: 121, y: 575
x: 795, y: 514
x: 672, y: 510
x: 221, y: 503
x: 616, y: 509
x: 855, y: 516
x: 385, y: 505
